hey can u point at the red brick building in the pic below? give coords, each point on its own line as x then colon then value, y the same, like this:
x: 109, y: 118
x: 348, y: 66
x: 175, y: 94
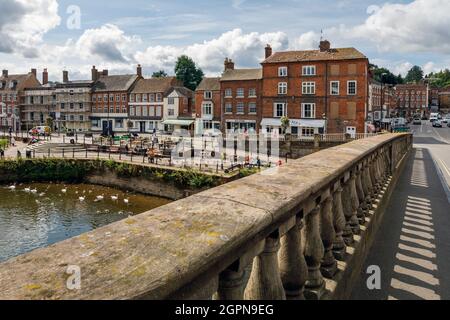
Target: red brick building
x: 110, y: 100
x: 208, y: 105
x: 412, y: 99
x: 323, y: 90
x: 241, y: 93
x: 12, y: 97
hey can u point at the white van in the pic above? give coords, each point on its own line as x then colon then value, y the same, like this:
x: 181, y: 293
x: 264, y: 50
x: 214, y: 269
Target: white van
x: 434, y: 117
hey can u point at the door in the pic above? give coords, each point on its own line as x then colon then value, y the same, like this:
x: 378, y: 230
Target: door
x: 142, y: 126
x: 107, y: 127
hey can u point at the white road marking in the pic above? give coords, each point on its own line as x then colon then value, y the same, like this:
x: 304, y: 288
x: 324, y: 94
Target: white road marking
x: 444, y: 166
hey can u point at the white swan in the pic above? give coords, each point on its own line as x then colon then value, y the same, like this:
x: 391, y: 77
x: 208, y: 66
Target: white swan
x: 12, y: 187
x: 100, y: 197
x: 33, y: 191
x: 81, y: 199
x: 64, y: 190
x: 126, y: 201
x: 27, y: 189
x: 115, y: 198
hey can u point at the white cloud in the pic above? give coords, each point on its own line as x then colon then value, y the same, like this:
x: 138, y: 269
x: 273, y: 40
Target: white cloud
x: 418, y: 26
x: 247, y: 49
x: 23, y: 24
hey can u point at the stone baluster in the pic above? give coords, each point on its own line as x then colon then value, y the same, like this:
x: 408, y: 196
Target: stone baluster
x: 362, y: 209
x: 232, y: 284
x: 354, y: 222
x: 365, y: 186
x: 339, y: 225
x: 328, y: 235
x: 373, y: 177
x: 265, y: 280
x: 347, y: 207
x: 293, y: 267
x: 314, y: 251
x: 368, y: 184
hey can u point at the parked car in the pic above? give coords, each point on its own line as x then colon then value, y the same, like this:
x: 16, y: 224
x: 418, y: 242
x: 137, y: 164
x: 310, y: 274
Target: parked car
x: 40, y: 131
x: 437, y: 123
x: 446, y: 119
x: 434, y: 117
x: 417, y: 121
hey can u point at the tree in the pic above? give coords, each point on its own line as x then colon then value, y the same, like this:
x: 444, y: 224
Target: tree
x: 285, y: 123
x: 440, y: 79
x: 385, y: 75
x: 414, y: 75
x: 188, y: 72
x: 160, y: 74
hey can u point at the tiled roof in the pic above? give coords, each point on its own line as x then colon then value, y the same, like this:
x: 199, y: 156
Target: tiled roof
x: 242, y: 74
x: 19, y: 78
x: 183, y: 91
x: 155, y: 85
x: 212, y: 84
x: 115, y: 83
x: 315, y: 55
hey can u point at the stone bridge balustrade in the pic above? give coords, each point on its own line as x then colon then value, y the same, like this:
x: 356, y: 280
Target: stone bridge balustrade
x: 286, y: 234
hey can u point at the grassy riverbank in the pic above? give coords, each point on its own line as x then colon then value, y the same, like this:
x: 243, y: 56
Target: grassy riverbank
x: 75, y: 171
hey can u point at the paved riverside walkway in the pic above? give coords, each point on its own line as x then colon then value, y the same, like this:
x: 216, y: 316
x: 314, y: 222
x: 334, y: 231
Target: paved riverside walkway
x: 412, y: 246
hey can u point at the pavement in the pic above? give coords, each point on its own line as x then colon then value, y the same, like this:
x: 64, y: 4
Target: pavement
x: 412, y: 246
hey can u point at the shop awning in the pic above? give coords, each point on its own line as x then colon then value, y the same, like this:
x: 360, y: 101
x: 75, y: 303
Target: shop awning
x: 310, y: 123
x: 177, y: 122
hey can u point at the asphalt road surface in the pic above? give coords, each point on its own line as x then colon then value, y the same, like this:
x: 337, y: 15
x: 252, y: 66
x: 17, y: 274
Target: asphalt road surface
x: 412, y: 246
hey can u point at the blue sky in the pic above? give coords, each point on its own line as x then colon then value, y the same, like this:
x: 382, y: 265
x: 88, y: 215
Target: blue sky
x: 119, y: 34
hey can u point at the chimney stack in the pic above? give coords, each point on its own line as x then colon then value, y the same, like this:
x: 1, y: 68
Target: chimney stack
x: 268, y: 51
x: 229, y: 64
x: 5, y: 73
x: 139, y: 70
x: 65, y: 76
x: 105, y: 72
x: 94, y: 74
x: 325, y: 45
x: 44, y: 77
x: 34, y: 71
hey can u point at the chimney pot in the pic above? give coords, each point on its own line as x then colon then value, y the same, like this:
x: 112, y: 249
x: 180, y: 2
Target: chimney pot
x: 268, y: 51
x: 105, y: 72
x: 5, y: 73
x: 34, y: 71
x: 139, y: 70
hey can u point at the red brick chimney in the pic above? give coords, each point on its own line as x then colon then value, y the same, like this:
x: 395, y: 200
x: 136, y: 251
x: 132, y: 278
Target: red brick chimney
x: 65, y: 76
x: 44, y: 77
x: 5, y: 73
x: 268, y: 51
x: 34, y: 71
x: 325, y: 45
x: 139, y: 70
x: 229, y: 64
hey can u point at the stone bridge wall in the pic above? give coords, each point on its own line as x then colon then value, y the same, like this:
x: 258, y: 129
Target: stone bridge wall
x: 301, y: 230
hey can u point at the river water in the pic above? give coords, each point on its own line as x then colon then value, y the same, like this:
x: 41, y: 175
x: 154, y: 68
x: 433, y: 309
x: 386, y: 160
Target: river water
x: 38, y: 215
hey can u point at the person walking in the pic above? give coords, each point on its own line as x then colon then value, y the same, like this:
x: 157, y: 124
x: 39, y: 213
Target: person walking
x: 2, y: 153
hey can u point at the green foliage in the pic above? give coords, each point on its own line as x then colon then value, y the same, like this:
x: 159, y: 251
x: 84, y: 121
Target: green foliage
x: 160, y: 74
x: 440, y: 79
x: 414, y: 75
x: 385, y: 75
x: 76, y: 170
x: 245, y: 172
x: 3, y: 144
x: 187, y: 71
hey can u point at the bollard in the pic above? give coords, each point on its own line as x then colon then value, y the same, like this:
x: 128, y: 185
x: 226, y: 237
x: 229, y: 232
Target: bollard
x: 63, y: 152
x: 86, y: 153
x: 73, y: 153
x: 49, y: 152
